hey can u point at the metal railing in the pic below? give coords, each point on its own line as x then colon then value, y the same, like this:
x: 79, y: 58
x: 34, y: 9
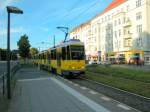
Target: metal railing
x: 2, y: 83
x: 3, y: 78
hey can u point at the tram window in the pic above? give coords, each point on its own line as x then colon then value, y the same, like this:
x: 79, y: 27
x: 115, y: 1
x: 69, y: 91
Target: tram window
x: 49, y: 56
x: 63, y: 53
x: 77, y: 55
x: 54, y: 54
x: 68, y: 53
x: 42, y: 56
x: 77, y: 48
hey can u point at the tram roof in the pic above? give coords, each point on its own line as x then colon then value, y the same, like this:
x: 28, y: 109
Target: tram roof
x: 70, y: 42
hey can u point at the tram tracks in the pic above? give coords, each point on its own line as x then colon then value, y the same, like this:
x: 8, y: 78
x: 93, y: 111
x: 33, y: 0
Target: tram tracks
x: 136, y: 101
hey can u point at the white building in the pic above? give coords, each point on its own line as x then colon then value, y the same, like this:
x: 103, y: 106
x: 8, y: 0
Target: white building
x: 122, y: 29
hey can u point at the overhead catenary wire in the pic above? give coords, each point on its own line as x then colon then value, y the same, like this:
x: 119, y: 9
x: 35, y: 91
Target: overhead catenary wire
x: 82, y: 11
x: 71, y: 9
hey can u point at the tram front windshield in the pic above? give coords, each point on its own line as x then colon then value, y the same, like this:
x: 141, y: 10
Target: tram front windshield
x: 77, y: 52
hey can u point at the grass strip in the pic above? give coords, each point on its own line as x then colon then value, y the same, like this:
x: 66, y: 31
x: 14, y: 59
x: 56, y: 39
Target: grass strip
x: 138, y: 75
x: 133, y: 86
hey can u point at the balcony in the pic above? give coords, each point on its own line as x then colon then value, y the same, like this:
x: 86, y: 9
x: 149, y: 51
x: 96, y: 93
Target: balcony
x: 128, y: 23
x: 128, y: 36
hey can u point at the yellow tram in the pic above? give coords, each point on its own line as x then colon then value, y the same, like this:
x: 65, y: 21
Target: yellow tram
x: 66, y: 59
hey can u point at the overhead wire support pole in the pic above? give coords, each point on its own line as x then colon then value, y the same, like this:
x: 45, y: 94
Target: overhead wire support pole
x: 54, y: 41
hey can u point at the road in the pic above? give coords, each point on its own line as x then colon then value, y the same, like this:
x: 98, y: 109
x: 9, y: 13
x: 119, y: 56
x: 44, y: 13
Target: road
x: 39, y: 91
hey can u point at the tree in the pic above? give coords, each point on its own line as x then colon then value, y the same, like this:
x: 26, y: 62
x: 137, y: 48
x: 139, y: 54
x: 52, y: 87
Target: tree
x: 142, y: 42
x: 33, y: 51
x: 14, y: 54
x: 24, y: 46
x: 3, y: 54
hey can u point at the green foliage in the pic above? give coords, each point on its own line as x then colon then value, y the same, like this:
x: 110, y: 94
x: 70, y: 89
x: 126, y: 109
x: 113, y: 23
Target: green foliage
x: 24, y: 46
x: 138, y: 75
x: 3, y: 54
x: 33, y: 51
x: 133, y: 86
x: 136, y: 81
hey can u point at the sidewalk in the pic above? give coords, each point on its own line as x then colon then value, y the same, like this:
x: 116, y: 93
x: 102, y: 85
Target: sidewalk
x: 39, y: 91
x: 41, y: 94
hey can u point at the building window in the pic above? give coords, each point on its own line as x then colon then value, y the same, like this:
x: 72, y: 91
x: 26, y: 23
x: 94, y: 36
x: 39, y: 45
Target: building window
x: 108, y: 17
x: 138, y: 16
x: 139, y: 42
x: 105, y: 18
x: 119, y: 21
x: 115, y: 34
x: 119, y: 33
x: 102, y: 20
x: 124, y: 20
x: 138, y: 3
x: 139, y: 28
x: 146, y: 58
x: 115, y: 23
x: 127, y: 42
x: 127, y: 8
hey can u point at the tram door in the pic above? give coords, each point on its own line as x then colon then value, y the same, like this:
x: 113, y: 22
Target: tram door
x: 59, y: 60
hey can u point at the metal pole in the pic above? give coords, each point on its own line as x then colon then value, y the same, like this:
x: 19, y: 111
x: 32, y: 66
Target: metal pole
x: 54, y: 41
x: 66, y: 34
x: 3, y: 83
x: 8, y: 59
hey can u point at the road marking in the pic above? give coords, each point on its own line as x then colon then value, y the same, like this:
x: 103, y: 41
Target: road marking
x: 105, y: 98
x: 35, y: 79
x: 123, y: 107
x: 93, y: 92
x: 93, y: 105
x: 84, y: 88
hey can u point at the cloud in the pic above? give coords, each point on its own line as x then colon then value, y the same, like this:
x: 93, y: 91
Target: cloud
x: 4, y: 3
x: 12, y: 30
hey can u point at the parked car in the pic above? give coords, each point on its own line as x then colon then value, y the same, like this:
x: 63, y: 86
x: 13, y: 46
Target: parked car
x: 106, y: 63
x: 99, y: 62
x: 92, y: 62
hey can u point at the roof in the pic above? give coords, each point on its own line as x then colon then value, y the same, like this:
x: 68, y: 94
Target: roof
x: 111, y: 6
x: 114, y: 4
x: 69, y: 42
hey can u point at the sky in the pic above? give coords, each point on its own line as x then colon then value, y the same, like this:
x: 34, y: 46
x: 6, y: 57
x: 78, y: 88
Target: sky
x: 41, y: 17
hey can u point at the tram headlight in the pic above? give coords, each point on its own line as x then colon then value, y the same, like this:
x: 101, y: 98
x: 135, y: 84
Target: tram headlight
x: 82, y: 67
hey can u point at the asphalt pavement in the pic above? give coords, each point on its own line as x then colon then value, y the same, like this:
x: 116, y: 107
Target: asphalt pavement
x: 39, y: 91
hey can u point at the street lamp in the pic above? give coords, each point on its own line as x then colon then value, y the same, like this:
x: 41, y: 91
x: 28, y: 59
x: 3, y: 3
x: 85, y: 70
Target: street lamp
x: 65, y: 30
x: 15, y: 10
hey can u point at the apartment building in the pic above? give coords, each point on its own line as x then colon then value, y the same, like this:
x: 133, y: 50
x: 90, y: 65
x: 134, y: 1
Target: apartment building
x: 122, y: 30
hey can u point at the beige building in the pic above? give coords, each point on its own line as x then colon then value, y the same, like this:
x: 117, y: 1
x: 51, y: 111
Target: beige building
x: 121, y: 31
